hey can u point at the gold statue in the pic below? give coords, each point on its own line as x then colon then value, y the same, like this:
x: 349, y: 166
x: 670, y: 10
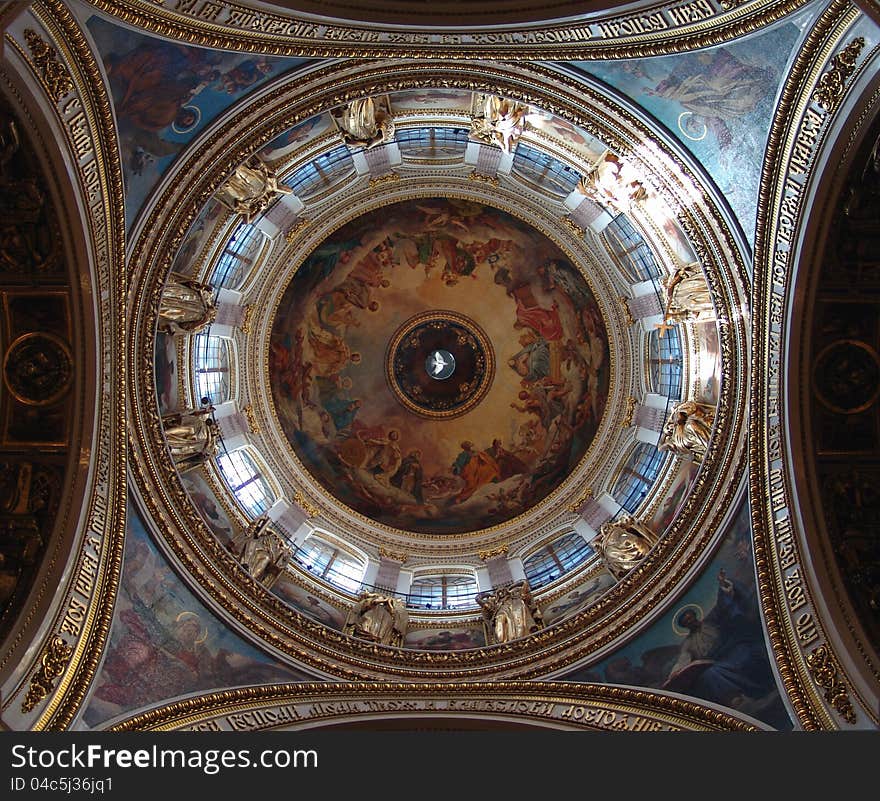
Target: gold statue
x: 688, y: 429
x: 623, y: 543
x: 365, y: 123
x: 187, y: 306
x: 686, y: 295
x: 510, y: 613
x: 261, y: 551
x: 251, y: 189
x: 378, y: 618
x: 501, y: 122
x: 193, y: 437
x: 614, y: 182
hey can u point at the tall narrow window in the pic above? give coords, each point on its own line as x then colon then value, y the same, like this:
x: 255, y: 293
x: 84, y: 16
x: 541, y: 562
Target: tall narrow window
x: 210, y: 356
x: 246, y: 481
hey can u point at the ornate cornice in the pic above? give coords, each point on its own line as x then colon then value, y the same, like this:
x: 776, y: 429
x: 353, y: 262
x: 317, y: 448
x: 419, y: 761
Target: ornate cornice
x: 64, y: 68
x: 668, y: 28
x: 561, y: 705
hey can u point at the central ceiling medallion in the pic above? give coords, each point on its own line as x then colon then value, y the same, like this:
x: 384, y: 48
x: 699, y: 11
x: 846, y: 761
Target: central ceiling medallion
x: 440, y: 364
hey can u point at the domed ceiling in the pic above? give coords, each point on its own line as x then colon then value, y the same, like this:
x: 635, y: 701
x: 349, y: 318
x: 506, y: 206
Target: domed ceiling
x: 442, y: 355
x: 381, y: 423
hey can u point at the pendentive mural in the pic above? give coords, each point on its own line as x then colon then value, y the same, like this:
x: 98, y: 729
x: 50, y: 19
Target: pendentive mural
x: 711, y: 644
x: 398, y: 437
x: 165, y: 643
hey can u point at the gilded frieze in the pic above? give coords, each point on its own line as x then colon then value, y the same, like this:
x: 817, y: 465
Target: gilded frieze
x: 796, y: 624
x: 47, y: 49
x: 668, y: 28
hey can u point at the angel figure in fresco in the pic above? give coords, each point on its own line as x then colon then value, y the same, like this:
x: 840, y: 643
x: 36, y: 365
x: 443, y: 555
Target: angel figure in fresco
x: 718, y: 89
x: 365, y: 123
x: 330, y: 354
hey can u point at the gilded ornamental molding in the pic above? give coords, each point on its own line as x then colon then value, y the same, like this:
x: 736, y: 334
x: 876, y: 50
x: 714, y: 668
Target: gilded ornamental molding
x: 668, y: 28
x: 560, y: 705
x: 796, y: 624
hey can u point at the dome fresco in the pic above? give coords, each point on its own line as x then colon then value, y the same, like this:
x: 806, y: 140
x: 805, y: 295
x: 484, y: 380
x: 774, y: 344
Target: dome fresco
x: 337, y: 399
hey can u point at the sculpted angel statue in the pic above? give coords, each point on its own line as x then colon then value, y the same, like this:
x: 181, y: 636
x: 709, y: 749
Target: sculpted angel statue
x: 623, y: 543
x: 501, y: 123
x: 186, y: 306
x: 263, y: 554
x: 251, y: 189
x: 688, y: 430
x: 613, y: 181
x: 686, y: 294
x: 378, y: 618
x: 193, y: 437
x: 510, y: 613
x: 364, y: 123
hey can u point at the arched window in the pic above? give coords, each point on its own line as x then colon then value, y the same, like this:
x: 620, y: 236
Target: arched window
x: 664, y: 363
x: 334, y: 565
x: 637, y: 475
x: 433, y: 144
x: 238, y: 257
x: 556, y: 559
x: 448, y: 591
x: 630, y: 251
x: 544, y: 171
x: 245, y: 479
x: 322, y: 173
x: 211, y: 359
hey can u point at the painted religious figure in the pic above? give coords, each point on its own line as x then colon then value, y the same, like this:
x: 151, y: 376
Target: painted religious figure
x: 365, y: 122
x: 623, y: 543
x: 499, y: 121
x: 187, y: 306
x: 378, y: 618
x: 193, y: 437
x: 688, y: 430
x: 510, y: 613
x: 329, y: 365
x: 251, y: 189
